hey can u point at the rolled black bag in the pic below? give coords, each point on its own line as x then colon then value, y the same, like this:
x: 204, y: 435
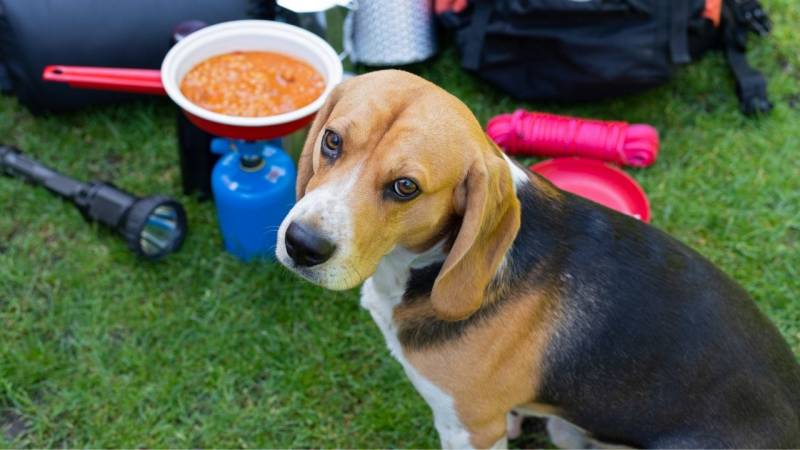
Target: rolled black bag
x: 575, y: 50
x: 112, y: 33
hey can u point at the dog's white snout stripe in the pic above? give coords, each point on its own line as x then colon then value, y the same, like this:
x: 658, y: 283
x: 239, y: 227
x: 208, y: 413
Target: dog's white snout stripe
x: 326, y: 210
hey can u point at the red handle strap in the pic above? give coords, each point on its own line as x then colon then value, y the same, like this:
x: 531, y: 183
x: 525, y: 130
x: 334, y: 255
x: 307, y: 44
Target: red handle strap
x: 140, y: 81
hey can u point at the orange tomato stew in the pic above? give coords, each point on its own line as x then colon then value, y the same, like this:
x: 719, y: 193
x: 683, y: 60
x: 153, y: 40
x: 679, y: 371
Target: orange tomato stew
x: 252, y: 84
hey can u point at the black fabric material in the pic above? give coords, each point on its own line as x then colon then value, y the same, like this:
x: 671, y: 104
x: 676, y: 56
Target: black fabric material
x: 573, y: 51
x: 475, y: 34
x: 118, y: 33
x: 679, y: 35
x: 5, y: 80
x: 751, y: 86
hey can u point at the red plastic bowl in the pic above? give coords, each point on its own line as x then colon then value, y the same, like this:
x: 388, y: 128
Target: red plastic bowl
x: 249, y: 35
x: 599, y: 182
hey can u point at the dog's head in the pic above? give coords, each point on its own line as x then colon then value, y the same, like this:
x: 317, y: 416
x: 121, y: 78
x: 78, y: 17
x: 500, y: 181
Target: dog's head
x: 390, y: 161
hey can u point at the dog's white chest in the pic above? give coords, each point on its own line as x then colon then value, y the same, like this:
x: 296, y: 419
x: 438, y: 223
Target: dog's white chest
x: 380, y: 294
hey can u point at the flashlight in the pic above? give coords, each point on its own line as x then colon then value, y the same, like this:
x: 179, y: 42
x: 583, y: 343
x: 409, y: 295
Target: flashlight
x: 153, y: 226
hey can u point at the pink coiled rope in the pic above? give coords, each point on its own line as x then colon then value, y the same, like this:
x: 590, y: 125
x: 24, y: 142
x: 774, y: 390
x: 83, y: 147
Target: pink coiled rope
x: 542, y: 134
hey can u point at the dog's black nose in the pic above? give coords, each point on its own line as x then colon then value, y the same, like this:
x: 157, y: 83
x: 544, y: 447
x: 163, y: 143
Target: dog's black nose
x: 305, y: 247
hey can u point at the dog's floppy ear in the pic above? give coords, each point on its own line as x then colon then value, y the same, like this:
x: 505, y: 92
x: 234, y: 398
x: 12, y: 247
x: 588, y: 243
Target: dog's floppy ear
x: 305, y: 167
x: 491, y: 219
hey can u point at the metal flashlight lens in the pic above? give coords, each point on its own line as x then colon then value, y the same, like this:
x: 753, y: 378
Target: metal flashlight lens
x: 154, y: 226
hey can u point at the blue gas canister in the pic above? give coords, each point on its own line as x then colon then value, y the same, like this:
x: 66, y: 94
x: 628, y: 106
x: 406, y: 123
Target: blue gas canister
x: 254, y: 189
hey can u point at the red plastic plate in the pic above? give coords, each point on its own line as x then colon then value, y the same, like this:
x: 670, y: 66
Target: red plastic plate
x: 599, y: 182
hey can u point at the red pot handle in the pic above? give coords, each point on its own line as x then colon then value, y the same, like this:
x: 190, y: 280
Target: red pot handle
x: 140, y: 81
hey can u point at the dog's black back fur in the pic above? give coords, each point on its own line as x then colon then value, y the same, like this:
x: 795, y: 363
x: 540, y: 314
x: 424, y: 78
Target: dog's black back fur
x: 657, y: 347
x: 654, y: 346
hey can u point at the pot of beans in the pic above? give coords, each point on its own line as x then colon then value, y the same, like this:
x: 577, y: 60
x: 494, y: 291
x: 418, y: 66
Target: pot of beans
x: 247, y: 79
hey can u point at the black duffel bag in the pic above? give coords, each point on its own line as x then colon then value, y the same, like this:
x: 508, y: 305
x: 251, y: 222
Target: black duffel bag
x: 113, y: 33
x: 591, y: 49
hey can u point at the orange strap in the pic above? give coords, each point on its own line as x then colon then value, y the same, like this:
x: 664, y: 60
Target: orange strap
x: 713, y: 11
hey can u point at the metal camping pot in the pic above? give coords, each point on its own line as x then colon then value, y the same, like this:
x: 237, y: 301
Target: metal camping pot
x: 391, y: 32
x: 325, y: 18
x: 373, y: 32
x: 238, y: 35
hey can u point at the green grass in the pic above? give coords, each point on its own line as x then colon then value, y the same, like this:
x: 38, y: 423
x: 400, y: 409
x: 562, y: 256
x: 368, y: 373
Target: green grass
x: 100, y: 349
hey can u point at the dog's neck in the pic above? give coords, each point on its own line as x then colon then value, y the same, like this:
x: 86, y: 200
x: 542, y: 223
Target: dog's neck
x: 397, y: 268
x: 394, y: 270
x: 404, y: 279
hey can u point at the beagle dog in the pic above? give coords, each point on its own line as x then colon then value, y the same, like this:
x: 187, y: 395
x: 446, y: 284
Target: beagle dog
x: 498, y: 292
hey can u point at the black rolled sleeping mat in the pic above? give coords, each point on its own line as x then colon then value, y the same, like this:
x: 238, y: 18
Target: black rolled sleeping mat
x: 112, y: 33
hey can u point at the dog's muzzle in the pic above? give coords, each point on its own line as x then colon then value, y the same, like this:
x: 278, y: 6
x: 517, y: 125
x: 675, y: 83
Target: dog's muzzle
x: 306, y: 247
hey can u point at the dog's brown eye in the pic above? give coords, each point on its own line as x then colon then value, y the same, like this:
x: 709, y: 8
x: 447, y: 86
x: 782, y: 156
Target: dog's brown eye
x: 331, y: 144
x: 405, y: 188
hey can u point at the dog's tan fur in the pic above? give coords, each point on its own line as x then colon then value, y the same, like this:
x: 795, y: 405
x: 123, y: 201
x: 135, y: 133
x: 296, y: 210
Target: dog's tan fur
x: 493, y: 368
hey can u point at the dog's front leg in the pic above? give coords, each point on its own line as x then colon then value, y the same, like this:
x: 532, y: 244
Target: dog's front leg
x: 455, y: 435
x: 452, y: 436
